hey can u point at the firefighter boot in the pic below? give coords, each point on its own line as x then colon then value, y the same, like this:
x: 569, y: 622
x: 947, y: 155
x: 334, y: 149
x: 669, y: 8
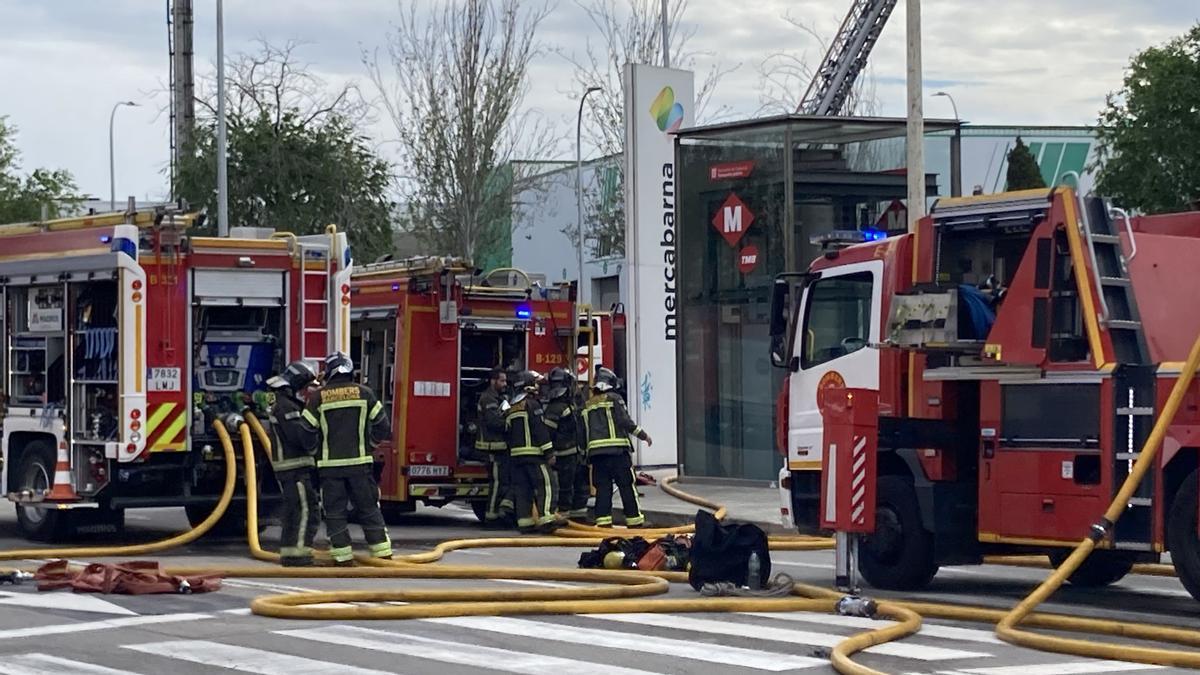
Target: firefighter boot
x: 296, y: 561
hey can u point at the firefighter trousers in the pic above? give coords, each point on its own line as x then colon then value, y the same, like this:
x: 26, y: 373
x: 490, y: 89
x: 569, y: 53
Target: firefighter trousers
x: 531, y: 487
x: 571, y: 490
x: 618, y: 469
x: 347, y: 487
x: 500, y: 489
x: 300, y: 516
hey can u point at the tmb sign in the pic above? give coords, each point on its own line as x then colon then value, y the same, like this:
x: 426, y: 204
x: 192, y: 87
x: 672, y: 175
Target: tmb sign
x: 733, y: 219
x: 748, y: 259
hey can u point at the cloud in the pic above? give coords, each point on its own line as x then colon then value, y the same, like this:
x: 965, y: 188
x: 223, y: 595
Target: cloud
x: 1005, y: 61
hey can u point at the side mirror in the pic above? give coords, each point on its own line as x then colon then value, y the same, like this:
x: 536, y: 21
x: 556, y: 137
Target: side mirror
x: 781, y: 313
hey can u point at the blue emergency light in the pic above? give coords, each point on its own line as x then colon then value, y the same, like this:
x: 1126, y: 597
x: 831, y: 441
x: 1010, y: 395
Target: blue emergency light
x: 524, y: 312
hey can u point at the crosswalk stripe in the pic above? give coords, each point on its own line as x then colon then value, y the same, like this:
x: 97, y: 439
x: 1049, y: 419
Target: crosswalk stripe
x: 459, y: 653
x: 905, y: 650
x: 245, y: 659
x: 927, y: 629
x: 39, y: 664
x: 1072, y: 668
x: 685, y: 649
x: 84, y: 626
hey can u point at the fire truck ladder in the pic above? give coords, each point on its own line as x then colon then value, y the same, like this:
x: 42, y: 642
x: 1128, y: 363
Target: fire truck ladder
x: 314, y: 295
x: 1134, y: 378
x: 834, y: 80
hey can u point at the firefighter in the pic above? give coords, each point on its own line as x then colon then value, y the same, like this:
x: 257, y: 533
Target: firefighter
x: 292, y: 450
x: 529, y: 445
x: 608, y: 425
x: 352, y: 421
x: 562, y: 419
x: 489, y: 438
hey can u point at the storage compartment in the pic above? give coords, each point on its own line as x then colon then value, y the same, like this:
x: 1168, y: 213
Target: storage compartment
x: 236, y: 350
x: 373, y: 350
x: 37, y: 358
x: 95, y: 361
x: 482, y: 350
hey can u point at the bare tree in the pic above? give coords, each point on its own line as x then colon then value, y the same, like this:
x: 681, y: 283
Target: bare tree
x: 453, y: 83
x: 630, y: 31
x: 784, y: 76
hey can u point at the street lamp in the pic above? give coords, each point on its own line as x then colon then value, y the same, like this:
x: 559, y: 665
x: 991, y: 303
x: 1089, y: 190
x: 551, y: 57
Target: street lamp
x: 579, y: 182
x: 112, y: 178
x: 955, y: 149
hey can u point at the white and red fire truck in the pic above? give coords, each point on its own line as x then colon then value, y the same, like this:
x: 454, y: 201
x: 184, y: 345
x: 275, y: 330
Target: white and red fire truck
x: 426, y: 332
x: 125, y: 336
x: 1010, y: 356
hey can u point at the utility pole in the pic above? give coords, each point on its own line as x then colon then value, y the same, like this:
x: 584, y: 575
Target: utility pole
x: 666, y: 22
x: 915, y: 141
x: 183, y: 86
x: 222, y: 182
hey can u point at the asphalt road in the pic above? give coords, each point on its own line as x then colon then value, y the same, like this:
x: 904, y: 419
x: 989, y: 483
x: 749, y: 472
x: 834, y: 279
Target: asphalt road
x: 214, y: 633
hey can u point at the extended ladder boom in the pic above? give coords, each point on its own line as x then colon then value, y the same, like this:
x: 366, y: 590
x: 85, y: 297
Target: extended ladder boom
x: 847, y: 57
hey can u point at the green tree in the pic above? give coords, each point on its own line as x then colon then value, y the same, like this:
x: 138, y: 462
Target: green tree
x: 22, y: 197
x: 1023, y: 171
x: 295, y: 159
x: 1149, y: 133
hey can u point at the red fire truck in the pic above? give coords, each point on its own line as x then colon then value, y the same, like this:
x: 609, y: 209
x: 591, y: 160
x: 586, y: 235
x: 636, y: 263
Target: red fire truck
x: 425, y: 333
x: 1020, y: 345
x: 125, y: 336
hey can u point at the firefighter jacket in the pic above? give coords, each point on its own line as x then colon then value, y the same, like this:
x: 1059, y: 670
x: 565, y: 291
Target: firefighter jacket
x: 608, y: 425
x: 295, y: 438
x: 490, y: 423
x: 351, y: 420
x: 562, y: 419
x: 526, y: 430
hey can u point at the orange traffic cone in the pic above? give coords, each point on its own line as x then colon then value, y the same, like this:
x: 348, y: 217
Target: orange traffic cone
x: 61, y: 489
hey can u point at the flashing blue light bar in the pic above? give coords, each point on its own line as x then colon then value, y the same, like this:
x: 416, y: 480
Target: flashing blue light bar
x: 104, y: 239
x: 524, y: 312
x: 126, y: 246
x: 395, y: 287
x: 872, y: 234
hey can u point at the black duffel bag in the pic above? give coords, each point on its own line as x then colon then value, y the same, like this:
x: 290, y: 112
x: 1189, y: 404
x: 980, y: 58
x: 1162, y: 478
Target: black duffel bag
x: 721, y: 553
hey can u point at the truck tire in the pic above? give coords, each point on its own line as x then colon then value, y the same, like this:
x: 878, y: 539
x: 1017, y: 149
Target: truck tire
x: 36, y: 473
x: 1182, y: 540
x: 899, y: 554
x: 1099, y: 569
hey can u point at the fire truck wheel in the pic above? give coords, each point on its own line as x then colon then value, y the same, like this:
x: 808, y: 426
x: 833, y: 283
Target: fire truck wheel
x: 1101, y: 568
x: 1181, y: 534
x: 899, y: 554
x: 36, y: 474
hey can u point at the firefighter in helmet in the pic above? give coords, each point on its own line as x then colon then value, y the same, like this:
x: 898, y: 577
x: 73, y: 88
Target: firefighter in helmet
x: 562, y: 419
x: 353, y: 421
x: 294, y: 444
x: 529, y: 445
x: 608, y: 425
x: 490, y: 438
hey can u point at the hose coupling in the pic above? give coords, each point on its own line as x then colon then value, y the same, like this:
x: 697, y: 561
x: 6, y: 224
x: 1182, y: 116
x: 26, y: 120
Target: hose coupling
x: 852, y: 605
x: 1100, y: 530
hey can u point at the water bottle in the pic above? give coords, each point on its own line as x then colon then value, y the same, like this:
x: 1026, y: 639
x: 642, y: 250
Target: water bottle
x: 753, y: 572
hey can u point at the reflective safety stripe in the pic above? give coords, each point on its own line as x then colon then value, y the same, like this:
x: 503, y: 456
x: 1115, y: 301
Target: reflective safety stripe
x: 577, y: 513
x: 293, y: 463
x: 303, y: 514
x: 382, y: 549
x: 604, y: 520
x: 295, y: 552
x: 352, y: 461
x: 547, y: 495
x: 525, y: 522
x: 342, y: 554
x: 490, y: 445
x: 637, y: 503
x: 377, y: 410
x: 361, y: 405
x: 308, y: 417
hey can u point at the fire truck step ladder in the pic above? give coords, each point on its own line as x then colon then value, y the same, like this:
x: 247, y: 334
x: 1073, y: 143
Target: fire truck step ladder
x: 1133, y: 398
x: 314, y: 250
x: 1118, y: 306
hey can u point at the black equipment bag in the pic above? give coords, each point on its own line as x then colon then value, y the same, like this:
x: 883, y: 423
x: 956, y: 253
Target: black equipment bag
x: 722, y: 552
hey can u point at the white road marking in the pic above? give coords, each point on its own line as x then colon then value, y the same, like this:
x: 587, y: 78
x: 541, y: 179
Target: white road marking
x: 1070, y: 668
x: 39, y: 664
x: 927, y: 629
x: 246, y: 659
x: 686, y: 623
x: 459, y: 653
x: 634, y: 642
x: 66, y: 600
x: 83, y: 627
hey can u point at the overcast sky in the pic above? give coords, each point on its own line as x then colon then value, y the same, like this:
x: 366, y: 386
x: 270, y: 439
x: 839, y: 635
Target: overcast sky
x: 1024, y: 62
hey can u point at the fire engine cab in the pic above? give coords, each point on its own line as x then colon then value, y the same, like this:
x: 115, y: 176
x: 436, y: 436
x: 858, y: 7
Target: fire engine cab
x: 425, y: 334
x: 125, y: 336
x: 1020, y: 345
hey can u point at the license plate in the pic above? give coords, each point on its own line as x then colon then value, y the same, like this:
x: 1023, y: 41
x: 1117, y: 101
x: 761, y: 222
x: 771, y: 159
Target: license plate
x: 426, y: 470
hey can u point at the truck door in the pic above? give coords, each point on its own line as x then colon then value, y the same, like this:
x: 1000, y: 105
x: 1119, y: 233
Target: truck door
x: 839, y: 317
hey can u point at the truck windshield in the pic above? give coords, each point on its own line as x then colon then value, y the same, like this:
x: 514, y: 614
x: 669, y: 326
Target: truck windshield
x: 837, y: 319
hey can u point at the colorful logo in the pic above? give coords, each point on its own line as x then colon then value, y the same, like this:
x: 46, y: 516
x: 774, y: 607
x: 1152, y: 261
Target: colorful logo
x: 666, y: 112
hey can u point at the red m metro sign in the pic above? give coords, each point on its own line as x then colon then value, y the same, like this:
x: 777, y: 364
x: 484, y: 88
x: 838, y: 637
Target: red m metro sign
x: 733, y: 219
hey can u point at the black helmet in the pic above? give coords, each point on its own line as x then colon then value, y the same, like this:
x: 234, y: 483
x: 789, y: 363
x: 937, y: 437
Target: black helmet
x: 526, y: 380
x: 561, y: 382
x: 296, y: 377
x: 606, y: 380
x: 338, y: 363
